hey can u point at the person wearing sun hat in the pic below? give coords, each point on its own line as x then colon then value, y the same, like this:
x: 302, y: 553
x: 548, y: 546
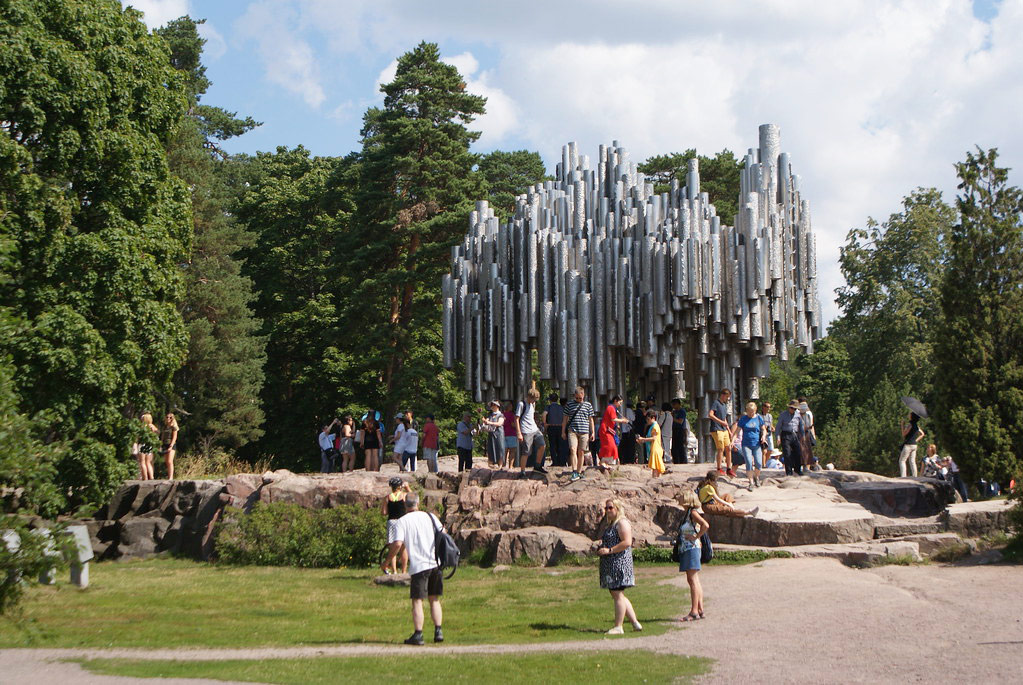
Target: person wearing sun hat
x: 493, y: 423
x: 789, y: 430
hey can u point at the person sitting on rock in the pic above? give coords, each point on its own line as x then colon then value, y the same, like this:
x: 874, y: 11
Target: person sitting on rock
x: 718, y: 504
x: 773, y: 462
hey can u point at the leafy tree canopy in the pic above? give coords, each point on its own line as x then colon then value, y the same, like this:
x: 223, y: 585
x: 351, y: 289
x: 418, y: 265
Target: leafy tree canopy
x: 508, y: 174
x: 88, y: 101
x: 719, y: 177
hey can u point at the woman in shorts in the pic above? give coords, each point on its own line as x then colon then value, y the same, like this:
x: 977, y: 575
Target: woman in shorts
x: 144, y: 447
x: 692, y: 528
x: 393, y: 507
x: 346, y: 444
x: 616, y: 569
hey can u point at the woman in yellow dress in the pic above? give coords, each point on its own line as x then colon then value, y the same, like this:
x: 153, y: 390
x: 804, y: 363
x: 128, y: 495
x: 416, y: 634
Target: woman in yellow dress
x: 653, y: 436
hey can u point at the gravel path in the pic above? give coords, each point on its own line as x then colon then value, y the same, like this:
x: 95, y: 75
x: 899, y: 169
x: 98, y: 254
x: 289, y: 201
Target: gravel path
x: 780, y: 621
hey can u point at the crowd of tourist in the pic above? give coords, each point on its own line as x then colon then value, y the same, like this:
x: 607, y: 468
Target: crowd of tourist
x: 576, y: 436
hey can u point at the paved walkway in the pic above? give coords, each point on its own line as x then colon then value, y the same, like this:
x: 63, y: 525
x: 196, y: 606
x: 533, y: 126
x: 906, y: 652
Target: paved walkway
x: 780, y: 621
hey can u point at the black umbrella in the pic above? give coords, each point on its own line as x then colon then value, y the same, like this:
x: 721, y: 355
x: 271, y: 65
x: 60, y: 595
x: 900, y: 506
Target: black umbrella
x: 915, y: 406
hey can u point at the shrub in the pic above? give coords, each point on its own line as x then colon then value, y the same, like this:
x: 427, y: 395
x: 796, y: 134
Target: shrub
x: 651, y: 554
x: 215, y: 463
x: 285, y: 534
x: 18, y: 569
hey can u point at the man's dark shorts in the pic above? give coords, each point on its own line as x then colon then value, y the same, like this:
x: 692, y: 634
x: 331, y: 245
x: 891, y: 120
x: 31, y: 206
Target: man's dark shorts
x: 427, y: 584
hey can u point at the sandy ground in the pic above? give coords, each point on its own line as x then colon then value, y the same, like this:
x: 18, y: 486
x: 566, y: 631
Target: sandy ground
x: 781, y: 621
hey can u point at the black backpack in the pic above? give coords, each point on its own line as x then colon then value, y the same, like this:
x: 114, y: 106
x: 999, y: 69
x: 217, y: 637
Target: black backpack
x: 444, y: 548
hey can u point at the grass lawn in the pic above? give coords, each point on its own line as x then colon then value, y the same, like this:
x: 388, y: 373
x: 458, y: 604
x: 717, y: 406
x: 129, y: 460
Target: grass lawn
x: 564, y: 668
x: 179, y: 603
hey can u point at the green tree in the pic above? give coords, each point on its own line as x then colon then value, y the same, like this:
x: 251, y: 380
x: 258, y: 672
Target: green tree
x: 218, y: 386
x: 88, y: 101
x: 890, y: 304
x: 825, y: 379
x: 719, y: 177
x: 979, y: 352
x: 298, y: 209
x: 508, y: 174
x: 417, y: 188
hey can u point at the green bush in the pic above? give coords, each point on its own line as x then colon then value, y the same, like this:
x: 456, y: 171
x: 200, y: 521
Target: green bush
x: 651, y: 555
x: 285, y: 534
x: 19, y: 569
x: 662, y: 555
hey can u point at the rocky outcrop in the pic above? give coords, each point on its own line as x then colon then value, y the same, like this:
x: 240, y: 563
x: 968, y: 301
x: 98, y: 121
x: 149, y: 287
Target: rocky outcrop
x: 975, y: 519
x: 899, y: 496
x: 548, y: 517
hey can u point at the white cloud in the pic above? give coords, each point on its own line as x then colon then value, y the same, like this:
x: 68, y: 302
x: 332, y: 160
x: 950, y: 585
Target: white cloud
x: 159, y: 12
x: 288, y: 59
x: 215, y: 46
x: 874, y: 97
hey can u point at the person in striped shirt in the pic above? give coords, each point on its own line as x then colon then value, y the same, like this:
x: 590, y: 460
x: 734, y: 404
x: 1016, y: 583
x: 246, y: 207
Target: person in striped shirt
x: 577, y: 427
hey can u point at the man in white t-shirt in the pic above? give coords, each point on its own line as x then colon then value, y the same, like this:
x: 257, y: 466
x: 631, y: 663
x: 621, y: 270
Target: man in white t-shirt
x: 531, y: 442
x: 417, y: 532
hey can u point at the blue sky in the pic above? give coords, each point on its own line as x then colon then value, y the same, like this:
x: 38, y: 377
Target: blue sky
x: 874, y: 97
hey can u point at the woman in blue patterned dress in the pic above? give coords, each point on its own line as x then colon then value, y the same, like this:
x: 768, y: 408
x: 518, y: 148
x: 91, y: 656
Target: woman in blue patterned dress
x: 616, y: 571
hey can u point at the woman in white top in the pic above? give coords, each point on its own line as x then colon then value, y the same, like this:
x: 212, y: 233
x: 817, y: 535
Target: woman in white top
x: 664, y: 420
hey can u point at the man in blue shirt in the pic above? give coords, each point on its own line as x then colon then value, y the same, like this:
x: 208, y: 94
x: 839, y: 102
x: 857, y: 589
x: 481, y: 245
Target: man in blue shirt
x: 790, y: 429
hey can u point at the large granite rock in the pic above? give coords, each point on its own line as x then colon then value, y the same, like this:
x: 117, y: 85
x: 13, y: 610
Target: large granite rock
x: 793, y: 511
x: 975, y: 519
x: 898, y: 496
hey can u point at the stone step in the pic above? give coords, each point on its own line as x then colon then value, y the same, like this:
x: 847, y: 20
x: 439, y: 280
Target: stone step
x: 885, y: 527
x: 976, y: 519
x: 850, y: 554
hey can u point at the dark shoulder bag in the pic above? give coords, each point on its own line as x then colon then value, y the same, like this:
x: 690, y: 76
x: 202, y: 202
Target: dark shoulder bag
x: 676, y: 554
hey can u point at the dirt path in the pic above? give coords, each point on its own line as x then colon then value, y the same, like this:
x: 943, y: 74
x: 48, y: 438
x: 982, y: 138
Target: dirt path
x: 781, y: 621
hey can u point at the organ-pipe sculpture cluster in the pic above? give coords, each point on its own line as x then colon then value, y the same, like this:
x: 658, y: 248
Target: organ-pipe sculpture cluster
x: 598, y: 281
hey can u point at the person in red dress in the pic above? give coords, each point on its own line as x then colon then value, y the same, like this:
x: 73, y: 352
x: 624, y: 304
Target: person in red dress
x: 608, y: 430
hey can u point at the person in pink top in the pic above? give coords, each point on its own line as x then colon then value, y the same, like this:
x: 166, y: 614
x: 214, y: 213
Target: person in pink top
x: 511, y: 437
x: 431, y: 443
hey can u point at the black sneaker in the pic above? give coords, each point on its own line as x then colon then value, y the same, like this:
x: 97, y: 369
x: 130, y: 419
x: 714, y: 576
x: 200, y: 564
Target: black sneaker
x: 438, y: 634
x: 415, y: 639
x: 540, y: 469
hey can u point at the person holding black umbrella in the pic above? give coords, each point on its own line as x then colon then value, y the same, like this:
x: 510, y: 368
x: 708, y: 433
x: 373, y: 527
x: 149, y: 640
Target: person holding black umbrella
x: 911, y: 434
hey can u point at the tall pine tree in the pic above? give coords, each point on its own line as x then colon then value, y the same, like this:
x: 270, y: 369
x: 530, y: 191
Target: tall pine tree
x: 979, y: 349
x: 417, y: 189
x: 218, y: 386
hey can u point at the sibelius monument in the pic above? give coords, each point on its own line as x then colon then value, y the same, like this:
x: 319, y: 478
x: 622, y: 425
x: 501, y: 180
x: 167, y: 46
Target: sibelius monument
x: 598, y: 281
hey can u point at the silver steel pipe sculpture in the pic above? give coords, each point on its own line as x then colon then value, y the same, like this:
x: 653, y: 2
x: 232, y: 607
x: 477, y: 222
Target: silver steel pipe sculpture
x: 598, y: 281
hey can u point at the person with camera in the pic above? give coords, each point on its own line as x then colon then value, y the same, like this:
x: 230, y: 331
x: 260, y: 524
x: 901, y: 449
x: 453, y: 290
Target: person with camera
x: 327, y: 451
